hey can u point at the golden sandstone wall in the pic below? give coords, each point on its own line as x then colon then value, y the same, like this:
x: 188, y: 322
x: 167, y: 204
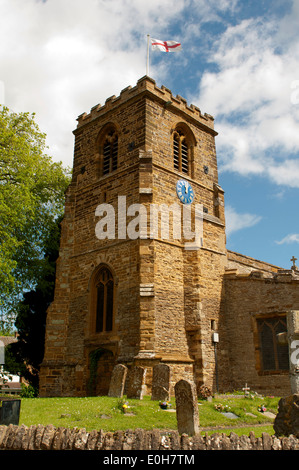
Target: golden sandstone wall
x: 172, y: 323
x: 168, y: 300
x: 253, y: 296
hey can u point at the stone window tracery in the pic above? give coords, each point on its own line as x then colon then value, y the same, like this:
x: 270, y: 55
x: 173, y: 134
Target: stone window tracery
x: 273, y: 356
x: 110, y: 152
x: 104, y: 301
x: 180, y: 152
x: 183, y: 145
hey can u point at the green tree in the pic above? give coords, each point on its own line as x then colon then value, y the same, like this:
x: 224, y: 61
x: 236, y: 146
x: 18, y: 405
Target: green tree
x: 25, y: 356
x: 32, y: 189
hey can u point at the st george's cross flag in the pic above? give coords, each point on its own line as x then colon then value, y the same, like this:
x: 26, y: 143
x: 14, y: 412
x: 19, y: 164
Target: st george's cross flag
x: 166, y: 46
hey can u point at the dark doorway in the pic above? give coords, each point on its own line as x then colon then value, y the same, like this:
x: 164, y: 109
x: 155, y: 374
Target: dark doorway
x: 101, y: 363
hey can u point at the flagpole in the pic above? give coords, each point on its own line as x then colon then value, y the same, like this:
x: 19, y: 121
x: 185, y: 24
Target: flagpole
x: 147, y: 55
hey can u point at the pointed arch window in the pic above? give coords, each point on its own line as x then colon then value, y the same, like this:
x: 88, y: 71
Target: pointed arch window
x: 274, y: 357
x: 104, y: 301
x: 110, y: 151
x: 181, y: 151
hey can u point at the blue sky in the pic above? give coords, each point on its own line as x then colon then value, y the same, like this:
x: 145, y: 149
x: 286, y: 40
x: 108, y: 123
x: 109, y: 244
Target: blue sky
x: 239, y: 62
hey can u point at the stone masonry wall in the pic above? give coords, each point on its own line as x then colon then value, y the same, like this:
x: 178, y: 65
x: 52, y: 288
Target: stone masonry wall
x: 50, y: 438
x: 248, y: 297
x: 188, y: 284
x: 166, y: 298
x: 69, y: 335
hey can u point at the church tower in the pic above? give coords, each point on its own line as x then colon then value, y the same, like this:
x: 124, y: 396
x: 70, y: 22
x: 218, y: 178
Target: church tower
x: 142, y: 254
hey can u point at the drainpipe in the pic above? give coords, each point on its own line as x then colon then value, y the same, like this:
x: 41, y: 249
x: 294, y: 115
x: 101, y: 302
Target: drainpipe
x: 215, y: 339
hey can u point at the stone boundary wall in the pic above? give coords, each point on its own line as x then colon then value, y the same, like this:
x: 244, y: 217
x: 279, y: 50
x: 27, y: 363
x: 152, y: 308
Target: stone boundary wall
x: 48, y: 437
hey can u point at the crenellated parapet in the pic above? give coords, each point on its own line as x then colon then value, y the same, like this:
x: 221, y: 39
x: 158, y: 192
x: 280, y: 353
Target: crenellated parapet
x: 163, y: 94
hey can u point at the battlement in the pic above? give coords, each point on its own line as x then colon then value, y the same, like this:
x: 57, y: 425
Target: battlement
x: 147, y: 85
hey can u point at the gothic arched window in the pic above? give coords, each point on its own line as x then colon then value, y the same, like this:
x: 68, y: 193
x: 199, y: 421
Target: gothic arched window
x: 183, y: 145
x: 273, y: 355
x: 110, y: 151
x: 180, y: 152
x: 104, y: 301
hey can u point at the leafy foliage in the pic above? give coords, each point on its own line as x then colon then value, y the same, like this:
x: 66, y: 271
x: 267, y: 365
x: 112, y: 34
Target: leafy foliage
x: 25, y: 356
x: 28, y: 391
x: 32, y: 191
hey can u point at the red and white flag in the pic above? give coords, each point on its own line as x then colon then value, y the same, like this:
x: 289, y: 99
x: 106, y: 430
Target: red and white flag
x: 165, y: 46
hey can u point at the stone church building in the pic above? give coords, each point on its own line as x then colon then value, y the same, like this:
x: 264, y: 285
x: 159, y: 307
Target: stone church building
x: 132, y: 285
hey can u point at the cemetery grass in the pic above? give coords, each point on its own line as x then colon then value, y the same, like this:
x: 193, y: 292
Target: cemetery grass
x: 108, y: 414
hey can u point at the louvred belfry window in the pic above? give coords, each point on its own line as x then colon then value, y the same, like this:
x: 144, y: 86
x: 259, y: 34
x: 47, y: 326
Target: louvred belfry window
x: 110, y: 152
x: 104, y: 301
x: 274, y: 356
x: 180, y: 152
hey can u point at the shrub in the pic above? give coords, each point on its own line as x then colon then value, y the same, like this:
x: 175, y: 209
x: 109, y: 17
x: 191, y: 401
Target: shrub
x: 28, y: 391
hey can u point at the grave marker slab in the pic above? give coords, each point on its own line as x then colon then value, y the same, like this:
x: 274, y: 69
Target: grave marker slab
x: 136, y: 382
x: 9, y: 411
x: 186, y: 407
x: 161, y: 382
x: 118, y: 380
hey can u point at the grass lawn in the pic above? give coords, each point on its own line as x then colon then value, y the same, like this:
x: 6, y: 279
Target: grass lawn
x: 106, y: 413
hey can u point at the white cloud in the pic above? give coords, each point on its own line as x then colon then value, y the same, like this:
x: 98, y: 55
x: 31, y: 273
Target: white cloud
x: 236, y: 221
x: 250, y: 97
x: 59, y: 58
x: 286, y: 173
x: 291, y: 238
x: 212, y: 10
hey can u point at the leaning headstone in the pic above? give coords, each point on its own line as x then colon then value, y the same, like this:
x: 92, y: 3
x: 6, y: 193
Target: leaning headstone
x: 186, y: 407
x: 161, y: 382
x: 118, y: 379
x: 136, y: 382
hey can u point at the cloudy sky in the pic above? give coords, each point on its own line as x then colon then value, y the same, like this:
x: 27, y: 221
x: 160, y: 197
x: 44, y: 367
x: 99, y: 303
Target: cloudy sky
x: 240, y: 63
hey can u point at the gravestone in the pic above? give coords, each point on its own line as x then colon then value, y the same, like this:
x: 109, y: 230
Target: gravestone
x: 246, y: 390
x: 293, y: 341
x: 161, y: 382
x: 136, y: 382
x: 287, y: 419
x: 9, y: 411
x: 118, y: 379
x: 186, y: 407
x: 230, y: 415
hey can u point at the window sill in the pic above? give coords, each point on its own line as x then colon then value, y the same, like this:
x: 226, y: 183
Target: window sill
x: 103, y: 338
x: 273, y: 372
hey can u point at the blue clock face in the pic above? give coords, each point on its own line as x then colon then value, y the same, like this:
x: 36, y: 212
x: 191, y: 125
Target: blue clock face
x: 185, y: 192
